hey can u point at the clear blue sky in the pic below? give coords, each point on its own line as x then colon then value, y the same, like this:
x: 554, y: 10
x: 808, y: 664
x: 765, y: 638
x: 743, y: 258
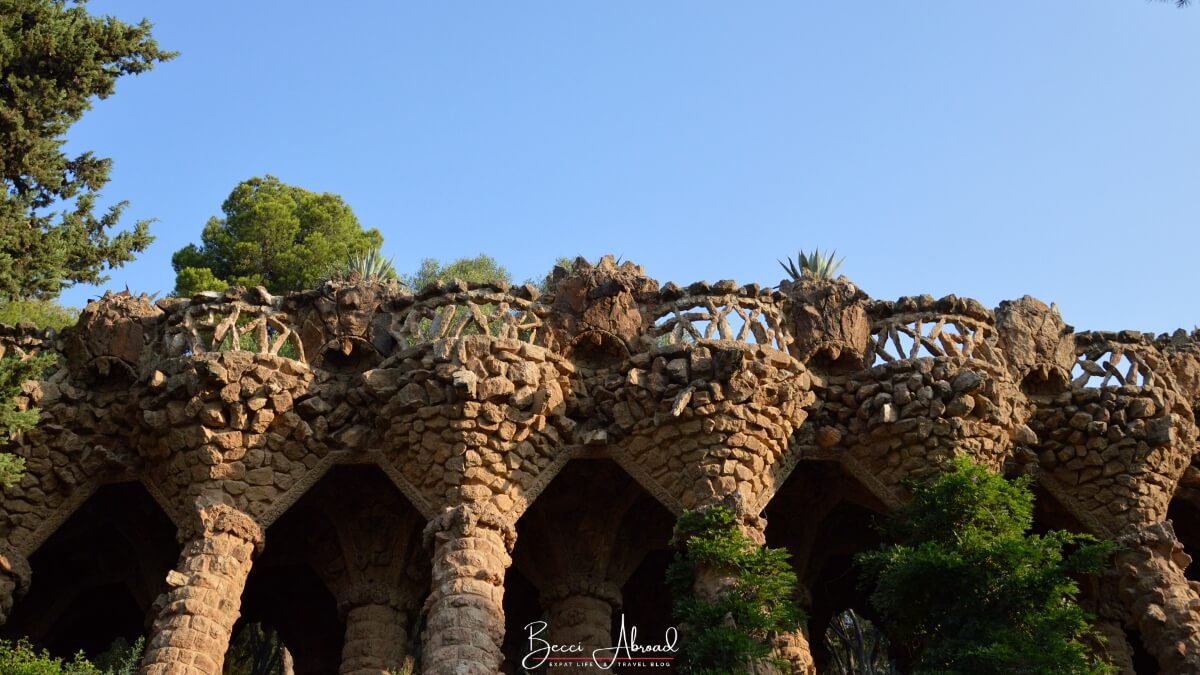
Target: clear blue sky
x: 989, y: 149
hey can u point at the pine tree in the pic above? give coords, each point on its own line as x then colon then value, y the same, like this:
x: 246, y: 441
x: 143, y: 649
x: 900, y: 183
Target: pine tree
x: 55, y: 59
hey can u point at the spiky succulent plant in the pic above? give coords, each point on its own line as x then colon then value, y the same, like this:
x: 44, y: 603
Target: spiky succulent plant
x: 816, y: 265
x: 368, y: 265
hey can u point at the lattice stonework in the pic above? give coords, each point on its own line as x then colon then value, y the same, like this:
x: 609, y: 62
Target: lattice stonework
x: 236, y: 326
x: 709, y: 318
x: 910, y: 336
x: 454, y: 315
x: 1112, y: 362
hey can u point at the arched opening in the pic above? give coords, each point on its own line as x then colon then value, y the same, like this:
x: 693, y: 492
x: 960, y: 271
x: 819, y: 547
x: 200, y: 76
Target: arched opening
x: 352, y: 534
x: 96, y: 578
x: 592, y: 522
x: 823, y: 517
x: 1184, y: 514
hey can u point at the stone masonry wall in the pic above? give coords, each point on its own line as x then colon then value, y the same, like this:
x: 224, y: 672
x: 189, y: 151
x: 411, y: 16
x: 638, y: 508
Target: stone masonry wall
x: 469, y: 400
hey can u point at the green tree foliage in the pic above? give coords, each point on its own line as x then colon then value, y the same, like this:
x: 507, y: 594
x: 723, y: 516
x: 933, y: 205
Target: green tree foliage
x: 970, y: 590
x: 20, y: 658
x: 275, y: 235
x: 41, y: 313
x: 55, y: 59
x: 13, y: 372
x: 733, y: 633
x: 480, y: 269
x: 121, y: 657
x: 256, y: 650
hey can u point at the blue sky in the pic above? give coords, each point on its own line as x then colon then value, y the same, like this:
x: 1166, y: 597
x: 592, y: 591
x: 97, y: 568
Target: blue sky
x: 987, y: 149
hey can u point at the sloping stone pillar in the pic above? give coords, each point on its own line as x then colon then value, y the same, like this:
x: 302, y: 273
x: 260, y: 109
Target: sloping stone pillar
x: 1164, y: 604
x: 376, y: 632
x: 195, y: 617
x: 471, y: 549
x: 14, y: 579
x: 581, y: 613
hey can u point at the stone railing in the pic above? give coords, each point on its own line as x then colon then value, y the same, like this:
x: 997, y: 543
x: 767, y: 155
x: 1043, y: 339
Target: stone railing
x: 459, y: 309
x: 212, y: 322
x: 921, y: 327
x: 1120, y: 359
x: 720, y: 311
x: 25, y: 341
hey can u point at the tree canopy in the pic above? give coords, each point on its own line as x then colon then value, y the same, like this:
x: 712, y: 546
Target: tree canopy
x: 970, y: 590
x: 275, y: 235
x: 55, y: 59
x: 480, y: 269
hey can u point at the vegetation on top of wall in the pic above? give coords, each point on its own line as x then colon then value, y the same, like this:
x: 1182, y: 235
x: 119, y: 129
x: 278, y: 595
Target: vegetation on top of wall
x: 731, y: 633
x: 272, y: 234
x: 966, y: 587
x: 368, y: 265
x: 815, y: 265
x: 41, y: 313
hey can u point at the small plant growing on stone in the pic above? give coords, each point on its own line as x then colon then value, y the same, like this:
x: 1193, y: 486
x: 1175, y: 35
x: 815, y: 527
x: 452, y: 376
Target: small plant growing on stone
x: 732, y: 633
x: 368, y: 265
x: 815, y: 265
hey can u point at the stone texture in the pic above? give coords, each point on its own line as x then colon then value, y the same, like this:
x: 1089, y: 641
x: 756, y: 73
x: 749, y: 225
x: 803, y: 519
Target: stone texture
x: 470, y: 399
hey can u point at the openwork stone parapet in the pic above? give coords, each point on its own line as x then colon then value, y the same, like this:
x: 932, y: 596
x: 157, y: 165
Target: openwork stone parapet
x: 470, y: 399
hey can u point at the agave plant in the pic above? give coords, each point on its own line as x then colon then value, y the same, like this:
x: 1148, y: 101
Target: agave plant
x: 369, y: 265
x: 816, y: 265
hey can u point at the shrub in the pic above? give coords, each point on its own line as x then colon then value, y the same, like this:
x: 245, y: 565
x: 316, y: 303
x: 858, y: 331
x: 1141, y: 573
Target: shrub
x: 968, y: 589
x: 731, y: 634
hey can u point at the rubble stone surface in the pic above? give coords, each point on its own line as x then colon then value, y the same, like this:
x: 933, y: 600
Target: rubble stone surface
x: 236, y: 411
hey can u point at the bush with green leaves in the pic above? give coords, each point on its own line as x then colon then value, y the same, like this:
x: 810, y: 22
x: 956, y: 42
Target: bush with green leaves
x: 733, y: 632
x: 968, y: 589
x: 21, y: 658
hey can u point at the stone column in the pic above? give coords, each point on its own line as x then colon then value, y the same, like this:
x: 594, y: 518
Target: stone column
x: 464, y: 625
x: 14, y: 579
x: 581, y: 612
x: 1162, y: 602
x: 376, y: 632
x: 195, y: 617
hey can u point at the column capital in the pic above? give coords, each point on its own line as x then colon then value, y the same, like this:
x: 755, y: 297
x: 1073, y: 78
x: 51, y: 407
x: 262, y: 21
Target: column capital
x: 601, y: 589
x: 375, y: 593
x: 463, y: 521
x: 219, y: 518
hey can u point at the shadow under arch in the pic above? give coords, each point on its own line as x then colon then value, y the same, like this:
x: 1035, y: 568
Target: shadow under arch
x: 823, y: 517
x: 593, y: 524
x: 352, y: 538
x: 97, y: 576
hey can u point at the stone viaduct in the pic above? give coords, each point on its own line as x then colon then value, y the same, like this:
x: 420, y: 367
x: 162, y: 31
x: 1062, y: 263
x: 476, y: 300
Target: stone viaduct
x: 379, y: 475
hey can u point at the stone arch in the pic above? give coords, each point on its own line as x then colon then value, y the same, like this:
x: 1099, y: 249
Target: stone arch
x: 343, y: 573
x: 823, y: 515
x: 370, y: 459
x: 573, y: 561
x: 97, y: 576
